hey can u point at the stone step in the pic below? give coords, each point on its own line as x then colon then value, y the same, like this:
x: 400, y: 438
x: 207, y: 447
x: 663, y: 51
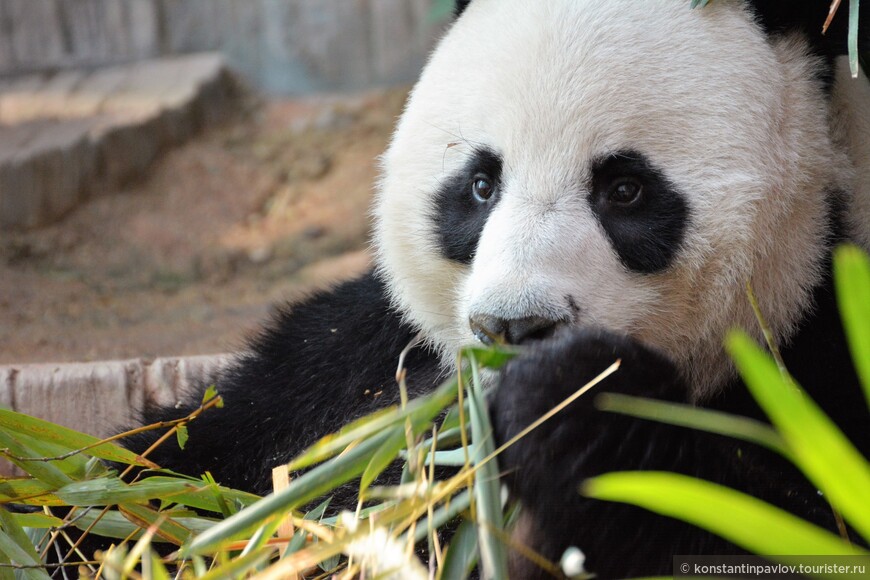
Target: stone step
x: 70, y: 135
x: 100, y: 398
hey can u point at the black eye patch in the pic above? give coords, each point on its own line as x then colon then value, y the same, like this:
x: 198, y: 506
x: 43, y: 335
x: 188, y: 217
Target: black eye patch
x: 643, y: 214
x: 463, y: 204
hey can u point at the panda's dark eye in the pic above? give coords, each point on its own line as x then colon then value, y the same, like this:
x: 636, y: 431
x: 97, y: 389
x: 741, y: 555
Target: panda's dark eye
x: 625, y: 191
x: 481, y: 187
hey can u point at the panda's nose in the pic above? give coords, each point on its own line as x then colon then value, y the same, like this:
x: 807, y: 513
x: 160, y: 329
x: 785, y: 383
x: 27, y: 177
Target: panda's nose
x: 492, y: 329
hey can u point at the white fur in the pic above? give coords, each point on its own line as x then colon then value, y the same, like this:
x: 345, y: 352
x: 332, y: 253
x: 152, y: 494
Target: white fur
x: 735, y: 122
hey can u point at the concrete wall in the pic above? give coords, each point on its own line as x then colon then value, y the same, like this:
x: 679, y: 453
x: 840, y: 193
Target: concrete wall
x: 280, y: 46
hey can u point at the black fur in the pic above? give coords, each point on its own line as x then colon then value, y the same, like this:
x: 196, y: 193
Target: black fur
x: 647, y: 234
x: 459, y: 217
x: 319, y: 365
x: 546, y: 468
x: 460, y: 6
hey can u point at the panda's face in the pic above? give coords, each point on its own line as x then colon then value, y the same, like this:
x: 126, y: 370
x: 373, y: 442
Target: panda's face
x: 621, y: 164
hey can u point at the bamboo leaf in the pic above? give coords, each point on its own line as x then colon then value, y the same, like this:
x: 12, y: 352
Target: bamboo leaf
x: 307, y: 487
x: 819, y: 449
x: 853, y: 37
x: 444, y: 514
x: 181, y: 435
x: 28, y: 491
x: 419, y: 411
x: 37, y: 520
x: 852, y: 281
x: 114, y: 525
x: 153, y: 568
x: 462, y: 553
x: 238, y: 567
x: 207, y: 495
x: 491, y: 357
x: 6, y: 573
x: 383, y: 457
x: 111, y: 491
x: 18, y: 548
x: 164, y: 526
x: 487, y: 491
x: 43, y: 471
x: 67, y: 439
x: 695, y: 418
x: 751, y: 523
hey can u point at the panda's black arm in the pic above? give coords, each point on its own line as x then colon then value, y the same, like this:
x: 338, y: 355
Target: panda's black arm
x: 316, y: 366
x: 545, y: 469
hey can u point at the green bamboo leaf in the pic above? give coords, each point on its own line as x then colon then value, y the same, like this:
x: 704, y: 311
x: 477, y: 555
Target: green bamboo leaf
x: 853, y: 37
x: 18, y: 548
x: 45, y: 472
x: 307, y: 487
x: 419, y: 411
x: 210, y: 393
x: 440, y: 10
x: 207, y: 495
x: 75, y: 466
x: 6, y: 573
x: 67, y: 439
x: 114, y: 525
x: 449, y: 458
x: 819, y: 449
x: 751, y: 523
x: 490, y: 357
x: 383, y: 457
x: 144, y: 517
x: 28, y: 491
x: 153, y: 568
x: 444, y: 514
x: 16, y: 555
x: 487, y: 491
x: 181, y: 435
x: 698, y: 418
x: 37, y: 520
x: 298, y: 541
x: 462, y: 553
x: 239, y: 567
x: 852, y: 281
x: 111, y: 491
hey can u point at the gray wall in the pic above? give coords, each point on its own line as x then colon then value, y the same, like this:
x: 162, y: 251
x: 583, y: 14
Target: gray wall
x: 279, y: 46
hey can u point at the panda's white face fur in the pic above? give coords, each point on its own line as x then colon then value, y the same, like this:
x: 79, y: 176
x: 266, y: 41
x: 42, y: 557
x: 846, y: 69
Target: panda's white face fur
x: 555, y: 103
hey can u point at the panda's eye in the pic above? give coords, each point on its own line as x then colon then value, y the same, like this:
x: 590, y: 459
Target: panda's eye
x: 625, y: 191
x: 481, y: 187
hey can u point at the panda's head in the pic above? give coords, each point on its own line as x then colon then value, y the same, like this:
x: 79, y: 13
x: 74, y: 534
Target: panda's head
x: 629, y: 165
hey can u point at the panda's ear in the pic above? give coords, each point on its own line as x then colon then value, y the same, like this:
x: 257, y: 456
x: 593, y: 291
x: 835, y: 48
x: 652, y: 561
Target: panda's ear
x: 779, y: 16
x: 460, y: 6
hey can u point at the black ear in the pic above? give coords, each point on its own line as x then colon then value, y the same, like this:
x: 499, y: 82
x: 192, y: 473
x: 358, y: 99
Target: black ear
x: 460, y: 6
x: 780, y: 16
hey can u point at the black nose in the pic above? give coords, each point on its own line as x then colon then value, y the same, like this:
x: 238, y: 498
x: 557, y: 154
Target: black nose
x: 491, y: 329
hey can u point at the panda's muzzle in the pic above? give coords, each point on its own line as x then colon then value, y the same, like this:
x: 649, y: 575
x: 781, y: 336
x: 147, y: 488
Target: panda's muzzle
x: 494, y: 330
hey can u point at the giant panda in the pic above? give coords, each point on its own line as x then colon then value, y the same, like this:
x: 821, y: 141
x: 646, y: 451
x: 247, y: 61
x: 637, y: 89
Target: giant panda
x: 588, y: 180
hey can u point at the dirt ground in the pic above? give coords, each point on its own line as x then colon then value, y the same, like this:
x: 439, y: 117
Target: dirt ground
x: 188, y: 259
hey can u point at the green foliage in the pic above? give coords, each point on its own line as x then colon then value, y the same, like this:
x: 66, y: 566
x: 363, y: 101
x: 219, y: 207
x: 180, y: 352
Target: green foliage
x: 227, y: 533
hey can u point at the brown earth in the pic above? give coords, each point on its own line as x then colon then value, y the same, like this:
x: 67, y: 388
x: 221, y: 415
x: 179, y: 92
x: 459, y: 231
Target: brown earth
x: 187, y: 260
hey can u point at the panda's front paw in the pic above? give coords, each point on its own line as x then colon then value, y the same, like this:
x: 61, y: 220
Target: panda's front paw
x: 545, y: 467
x: 551, y: 371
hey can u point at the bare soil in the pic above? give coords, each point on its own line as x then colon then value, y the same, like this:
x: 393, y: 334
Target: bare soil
x: 187, y: 260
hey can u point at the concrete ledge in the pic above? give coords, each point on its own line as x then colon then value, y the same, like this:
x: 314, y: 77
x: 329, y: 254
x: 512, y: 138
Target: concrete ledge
x: 67, y: 136
x: 101, y: 398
